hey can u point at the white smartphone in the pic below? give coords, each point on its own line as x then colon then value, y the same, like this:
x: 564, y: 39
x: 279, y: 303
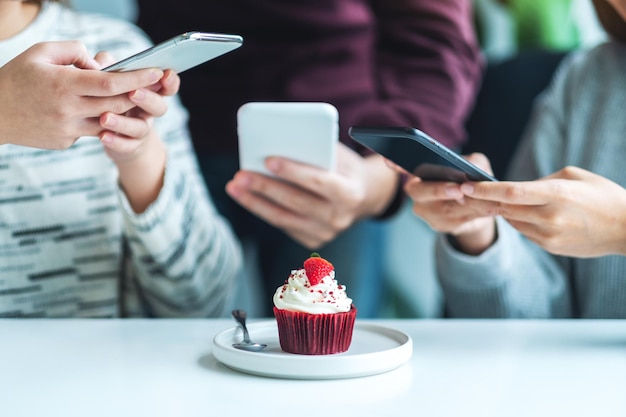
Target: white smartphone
x: 304, y: 132
x: 181, y: 52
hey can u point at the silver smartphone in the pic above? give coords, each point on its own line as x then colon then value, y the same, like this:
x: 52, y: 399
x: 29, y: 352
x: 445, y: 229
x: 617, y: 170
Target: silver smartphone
x: 419, y: 154
x: 181, y: 52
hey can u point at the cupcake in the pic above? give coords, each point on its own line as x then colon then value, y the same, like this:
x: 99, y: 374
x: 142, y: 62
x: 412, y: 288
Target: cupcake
x: 313, y: 313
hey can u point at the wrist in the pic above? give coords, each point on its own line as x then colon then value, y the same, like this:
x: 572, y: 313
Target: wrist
x: 621, y: 247
x: 395, y: 204
x: 384, y: 188
x: 141, y: 178
x: 475, y: 243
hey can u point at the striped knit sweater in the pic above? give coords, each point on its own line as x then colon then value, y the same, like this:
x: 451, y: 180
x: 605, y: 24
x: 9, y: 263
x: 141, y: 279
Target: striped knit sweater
x: 71, y: 246
x: 578, y: 121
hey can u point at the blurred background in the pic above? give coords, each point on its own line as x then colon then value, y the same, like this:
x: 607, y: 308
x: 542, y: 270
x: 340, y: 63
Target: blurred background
x: 523, y: 42
x: 125, y: 9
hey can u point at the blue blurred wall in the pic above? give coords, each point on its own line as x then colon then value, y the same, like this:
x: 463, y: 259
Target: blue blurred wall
x: 126, y: 9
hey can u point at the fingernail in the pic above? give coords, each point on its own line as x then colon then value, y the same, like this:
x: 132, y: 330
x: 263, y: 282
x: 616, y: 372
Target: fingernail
x: 155, y: 75
x: 232, y: 190
x: 106, y: 138
x: 138, y: 95
x: 453, y: 192
x: 242, y: 180
x: 273, y: 164
x: 467, y: 189
x: 109, y: 122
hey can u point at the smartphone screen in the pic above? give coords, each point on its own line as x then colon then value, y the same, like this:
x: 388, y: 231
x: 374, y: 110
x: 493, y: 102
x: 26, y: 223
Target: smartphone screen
x: 419, y: 154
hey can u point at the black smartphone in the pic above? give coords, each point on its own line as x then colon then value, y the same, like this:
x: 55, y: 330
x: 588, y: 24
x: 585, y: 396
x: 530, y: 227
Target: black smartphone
x: 418, y: 153
x: 181, y: 52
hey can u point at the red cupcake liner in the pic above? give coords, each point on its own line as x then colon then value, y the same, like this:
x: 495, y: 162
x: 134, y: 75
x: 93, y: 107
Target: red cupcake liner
x: 315, y: 334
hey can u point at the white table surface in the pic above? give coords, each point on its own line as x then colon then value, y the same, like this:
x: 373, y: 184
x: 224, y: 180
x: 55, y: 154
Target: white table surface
x: 166, y: 368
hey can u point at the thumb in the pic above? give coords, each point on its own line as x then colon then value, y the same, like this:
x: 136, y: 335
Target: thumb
x: 66, y: 53
x: 104, y: 59
x: 481, y: 161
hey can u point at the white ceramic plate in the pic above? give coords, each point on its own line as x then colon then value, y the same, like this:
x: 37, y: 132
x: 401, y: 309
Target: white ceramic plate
x: 374, y: 349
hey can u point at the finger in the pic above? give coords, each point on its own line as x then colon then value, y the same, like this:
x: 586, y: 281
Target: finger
x: 104, y: 59
x: 170, y: 83
x: 282, y: 194
x: 526, y: 193
x: 119, y: 144
x: 531, y: 231
x: 152, y: 103
x: 96, y: 106
x: 267, y: 210
x: 430, y: 191
x: 313, y: 179
x: 430, y: 214
x: 481, y: 161
x: 107, y: 84
x: 523, y: 213
x: 444, y: 212
x: 89, y: 126
x: 66, y: 53
x: 396, y: 167
x: 308, y: 240
x: 130, y: 127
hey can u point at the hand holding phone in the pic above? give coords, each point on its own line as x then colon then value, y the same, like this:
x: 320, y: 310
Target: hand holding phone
x: 181, y: 52
x: 303, y: 132
x: 419, y: 154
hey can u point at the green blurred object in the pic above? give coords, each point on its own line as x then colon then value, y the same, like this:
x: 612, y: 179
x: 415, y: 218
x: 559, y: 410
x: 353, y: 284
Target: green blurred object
x: 544, y: 24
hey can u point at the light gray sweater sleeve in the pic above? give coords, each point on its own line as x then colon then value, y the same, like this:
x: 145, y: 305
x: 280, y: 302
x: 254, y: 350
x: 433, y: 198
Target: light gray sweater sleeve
x: 515, y: 277
x: 182, y: 257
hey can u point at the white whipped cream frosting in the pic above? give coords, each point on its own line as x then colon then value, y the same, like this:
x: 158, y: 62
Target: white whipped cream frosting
x: 327, y: 297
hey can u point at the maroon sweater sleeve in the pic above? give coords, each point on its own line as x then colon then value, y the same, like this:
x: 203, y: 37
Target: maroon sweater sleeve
x: 427, y: 68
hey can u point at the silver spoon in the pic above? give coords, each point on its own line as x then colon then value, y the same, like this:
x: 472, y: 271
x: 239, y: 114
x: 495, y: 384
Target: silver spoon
x: 246, y: 343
